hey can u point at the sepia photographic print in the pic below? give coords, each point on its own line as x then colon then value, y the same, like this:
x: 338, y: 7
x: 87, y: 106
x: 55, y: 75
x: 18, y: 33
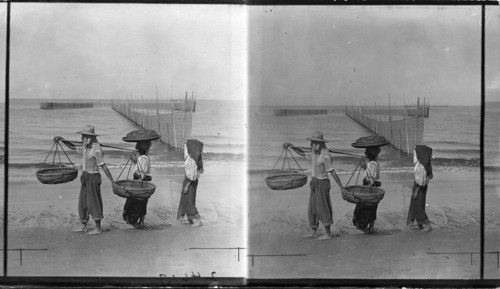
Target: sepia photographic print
x: 250, y: 144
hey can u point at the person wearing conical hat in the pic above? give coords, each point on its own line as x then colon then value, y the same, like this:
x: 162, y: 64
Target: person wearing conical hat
x: 365, y: 214
x: 135, y: 209
x: 90, y: 199
x: 320, y: 205
x: 193, y: 167
x: 422, y: 156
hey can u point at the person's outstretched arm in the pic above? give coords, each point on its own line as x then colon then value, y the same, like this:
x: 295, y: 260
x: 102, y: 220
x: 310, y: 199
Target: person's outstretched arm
x: 70, y: 144
x: 298, y: 150
x: 329, y: 168
x: 108, y: 173
x: 337, y: 180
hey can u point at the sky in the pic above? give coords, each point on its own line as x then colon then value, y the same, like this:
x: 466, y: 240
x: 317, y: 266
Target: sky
x: 277, y: 55
x: 338, y: 55
x: 63, y: 50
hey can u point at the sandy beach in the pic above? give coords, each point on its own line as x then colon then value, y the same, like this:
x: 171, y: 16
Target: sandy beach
x: 41, y: 217
x: 278, y: 219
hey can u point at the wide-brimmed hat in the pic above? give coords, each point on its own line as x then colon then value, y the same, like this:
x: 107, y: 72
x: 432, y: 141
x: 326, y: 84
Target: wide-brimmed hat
x: 370, y: 141
x: 141, y: 135
x: 317, y: 136
x: 88, y: 130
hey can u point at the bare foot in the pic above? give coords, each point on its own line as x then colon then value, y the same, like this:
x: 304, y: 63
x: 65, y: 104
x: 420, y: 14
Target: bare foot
x: 197, y: 223
x: 82, y: 228
x: 94, y: 232
x: 427, y: 228
x: 324, y: 237
x: 183, y: 221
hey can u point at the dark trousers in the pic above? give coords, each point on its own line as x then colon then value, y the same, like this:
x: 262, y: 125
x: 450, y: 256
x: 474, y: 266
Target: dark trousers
x: 187, y: 204
x: 90, y: 200
x: 417, y: 207
x: 135, y: 208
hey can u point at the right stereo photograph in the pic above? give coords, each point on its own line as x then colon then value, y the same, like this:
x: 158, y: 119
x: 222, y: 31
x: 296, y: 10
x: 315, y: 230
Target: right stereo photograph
x: 365, y: 142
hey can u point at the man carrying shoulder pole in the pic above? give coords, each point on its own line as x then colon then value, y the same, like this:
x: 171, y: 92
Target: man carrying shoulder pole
x: 90, y: 199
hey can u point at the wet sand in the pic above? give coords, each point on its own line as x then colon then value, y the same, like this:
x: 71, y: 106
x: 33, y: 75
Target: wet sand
x: 42, y: 216
x: 278, y: 219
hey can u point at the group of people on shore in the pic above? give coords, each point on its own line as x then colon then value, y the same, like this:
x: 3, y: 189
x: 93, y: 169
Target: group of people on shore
x: 365, y: 214
x: 90, y: 203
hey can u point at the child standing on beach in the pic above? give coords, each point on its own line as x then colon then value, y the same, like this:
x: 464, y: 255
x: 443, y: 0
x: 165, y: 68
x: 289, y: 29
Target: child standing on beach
x: 320, y: 205
x: 423, y: 173
x: 193, y: 167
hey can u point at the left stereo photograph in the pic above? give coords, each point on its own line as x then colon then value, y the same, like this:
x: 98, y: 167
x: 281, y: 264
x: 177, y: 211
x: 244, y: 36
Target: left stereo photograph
x: 126, y: 136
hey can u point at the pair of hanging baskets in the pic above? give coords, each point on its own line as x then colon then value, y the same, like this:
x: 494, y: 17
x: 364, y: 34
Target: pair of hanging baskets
x: 286, y: 179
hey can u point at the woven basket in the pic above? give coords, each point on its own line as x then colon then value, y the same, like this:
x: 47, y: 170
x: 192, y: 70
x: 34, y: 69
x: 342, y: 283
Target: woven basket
x: 363, y: 194
x: 136, y: 189
x: 286, y: 181
x: 57, y: 175
x: 370, y: 141
x: 141, y: 135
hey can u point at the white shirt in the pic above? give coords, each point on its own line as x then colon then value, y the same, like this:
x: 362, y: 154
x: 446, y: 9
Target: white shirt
x: 321, y: 164
x: 372, y: 171
x: 190, y: 166
x: 143, y: 166
x: 92, y: 158
x: 421, y: 177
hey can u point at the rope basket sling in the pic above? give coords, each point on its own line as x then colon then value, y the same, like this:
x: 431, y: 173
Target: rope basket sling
x: 56, y: 173
x: 286, y: 180
x: 358, y: 194
x: 133, y: 188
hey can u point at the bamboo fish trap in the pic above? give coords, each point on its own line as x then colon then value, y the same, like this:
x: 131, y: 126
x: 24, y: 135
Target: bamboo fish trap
x: 286, y: 180
x: 56, y: 173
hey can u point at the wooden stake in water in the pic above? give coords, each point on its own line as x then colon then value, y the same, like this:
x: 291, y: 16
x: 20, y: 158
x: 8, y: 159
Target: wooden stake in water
x: 404, y: 121
x: 157, y: 109
x: 417, y: 128
x: 390, y: 117
x: 186, y: 107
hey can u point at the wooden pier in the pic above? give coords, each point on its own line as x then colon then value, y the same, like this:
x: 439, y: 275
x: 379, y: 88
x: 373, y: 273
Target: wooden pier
x: 290, y: 112
x: 174, y: 126
x: 402, y: 129
x: 66, y: 105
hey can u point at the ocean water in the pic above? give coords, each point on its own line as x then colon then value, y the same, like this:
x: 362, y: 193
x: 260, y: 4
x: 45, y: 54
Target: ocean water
x: 452, y: 131
x: 492, y: 138
x: 218, y: 124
